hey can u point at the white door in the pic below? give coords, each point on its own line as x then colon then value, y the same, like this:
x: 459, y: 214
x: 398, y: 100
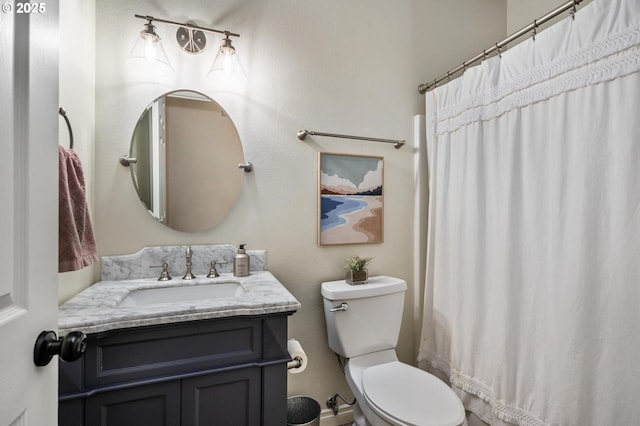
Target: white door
x: 29, y: 206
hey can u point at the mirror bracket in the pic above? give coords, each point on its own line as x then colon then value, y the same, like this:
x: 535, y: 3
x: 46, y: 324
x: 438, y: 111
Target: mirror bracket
x: 126, y: 161
x: 247, y: 167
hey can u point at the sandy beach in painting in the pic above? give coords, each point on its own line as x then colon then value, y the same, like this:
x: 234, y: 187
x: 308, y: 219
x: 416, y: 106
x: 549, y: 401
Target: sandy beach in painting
x: 362, y: 226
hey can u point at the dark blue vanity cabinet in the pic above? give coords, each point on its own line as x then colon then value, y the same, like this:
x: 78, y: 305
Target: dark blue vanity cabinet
x: 227, y: 372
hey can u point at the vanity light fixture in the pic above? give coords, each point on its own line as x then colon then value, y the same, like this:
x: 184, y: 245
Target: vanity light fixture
x: 191, y: 38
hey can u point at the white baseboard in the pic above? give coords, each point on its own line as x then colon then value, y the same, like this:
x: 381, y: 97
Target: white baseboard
x: 345, y: 416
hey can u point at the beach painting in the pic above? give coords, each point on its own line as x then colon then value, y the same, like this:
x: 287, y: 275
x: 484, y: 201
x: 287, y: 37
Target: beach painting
x: 351, y: 203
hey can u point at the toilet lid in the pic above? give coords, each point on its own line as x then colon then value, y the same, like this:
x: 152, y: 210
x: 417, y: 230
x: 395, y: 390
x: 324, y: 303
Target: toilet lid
x: 407, y: 395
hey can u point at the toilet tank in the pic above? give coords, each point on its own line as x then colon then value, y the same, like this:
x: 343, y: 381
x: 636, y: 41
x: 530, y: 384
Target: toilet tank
x: 372, y: 320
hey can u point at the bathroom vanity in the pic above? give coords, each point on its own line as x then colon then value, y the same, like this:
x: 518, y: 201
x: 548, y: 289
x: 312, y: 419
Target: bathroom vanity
x: 189, y: 361
x: 228, y: 371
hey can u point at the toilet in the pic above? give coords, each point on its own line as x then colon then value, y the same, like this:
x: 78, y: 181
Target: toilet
x: 363, y: 325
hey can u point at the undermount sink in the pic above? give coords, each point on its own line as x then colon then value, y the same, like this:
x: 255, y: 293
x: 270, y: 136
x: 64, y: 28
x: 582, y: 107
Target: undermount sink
x: 185, y: 293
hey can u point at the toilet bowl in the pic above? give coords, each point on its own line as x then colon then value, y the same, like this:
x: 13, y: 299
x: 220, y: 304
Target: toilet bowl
x: 390, y: 392
x: 363, y: 324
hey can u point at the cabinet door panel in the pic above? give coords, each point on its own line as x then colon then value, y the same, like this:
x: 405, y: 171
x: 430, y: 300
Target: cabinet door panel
x: 223, y: 399
x: 157, y: 405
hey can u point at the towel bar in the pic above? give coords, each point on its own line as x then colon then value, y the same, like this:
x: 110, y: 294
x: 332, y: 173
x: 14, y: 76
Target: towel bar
x: 397, y: 144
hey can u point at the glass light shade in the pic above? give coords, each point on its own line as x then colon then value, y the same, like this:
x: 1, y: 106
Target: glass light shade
x: 227, y: 63
x: 149, y: 48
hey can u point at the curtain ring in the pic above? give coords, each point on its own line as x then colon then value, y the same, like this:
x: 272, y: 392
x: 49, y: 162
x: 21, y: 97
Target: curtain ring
x: 448, y: 75
x: 574, y: 9
x: 535, y: 29
x: 484, y: 52
x: 498, y: 49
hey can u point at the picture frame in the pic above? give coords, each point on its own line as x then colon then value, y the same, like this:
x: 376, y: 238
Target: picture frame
x: 350, y: 199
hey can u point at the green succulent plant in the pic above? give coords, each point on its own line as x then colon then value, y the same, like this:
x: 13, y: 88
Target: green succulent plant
x: 356, y: 263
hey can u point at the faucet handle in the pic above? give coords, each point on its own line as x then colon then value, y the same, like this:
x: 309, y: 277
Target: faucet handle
x: 213, y: 272
x: 164, y: 275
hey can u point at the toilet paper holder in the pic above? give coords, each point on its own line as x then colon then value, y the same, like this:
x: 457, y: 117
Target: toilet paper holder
x: 298, y: 357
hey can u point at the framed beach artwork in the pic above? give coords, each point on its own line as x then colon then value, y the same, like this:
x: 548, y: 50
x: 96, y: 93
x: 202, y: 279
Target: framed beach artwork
x: 351, y: 203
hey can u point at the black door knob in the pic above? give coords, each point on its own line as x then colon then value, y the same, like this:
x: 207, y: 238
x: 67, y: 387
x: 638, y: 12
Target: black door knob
x: 70, y: 347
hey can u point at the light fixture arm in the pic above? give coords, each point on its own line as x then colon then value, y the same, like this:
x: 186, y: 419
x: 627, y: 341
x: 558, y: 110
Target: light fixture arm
x: 187, y: 25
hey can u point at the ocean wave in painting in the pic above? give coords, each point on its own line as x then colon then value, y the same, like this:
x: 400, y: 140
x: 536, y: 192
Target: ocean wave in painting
x: 333, y: 207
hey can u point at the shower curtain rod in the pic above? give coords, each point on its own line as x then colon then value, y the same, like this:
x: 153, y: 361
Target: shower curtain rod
x: 570, y: 5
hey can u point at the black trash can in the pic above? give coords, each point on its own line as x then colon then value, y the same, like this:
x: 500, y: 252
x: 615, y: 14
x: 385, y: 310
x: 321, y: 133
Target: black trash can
x: 302, y: 411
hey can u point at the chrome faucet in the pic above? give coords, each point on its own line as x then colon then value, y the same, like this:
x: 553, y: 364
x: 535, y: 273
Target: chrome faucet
x: 188, y: 275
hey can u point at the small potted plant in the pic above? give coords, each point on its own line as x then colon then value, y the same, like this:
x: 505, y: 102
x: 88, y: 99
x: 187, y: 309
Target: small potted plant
x: 356, y: 267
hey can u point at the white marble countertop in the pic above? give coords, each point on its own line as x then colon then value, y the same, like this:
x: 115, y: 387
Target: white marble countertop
x: 96, y: 308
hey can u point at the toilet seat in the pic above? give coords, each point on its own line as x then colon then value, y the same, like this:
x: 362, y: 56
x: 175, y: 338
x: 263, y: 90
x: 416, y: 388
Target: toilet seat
x: 406, y: 395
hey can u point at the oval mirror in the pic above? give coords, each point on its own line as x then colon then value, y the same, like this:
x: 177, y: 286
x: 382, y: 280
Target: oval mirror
x: 187, y: 152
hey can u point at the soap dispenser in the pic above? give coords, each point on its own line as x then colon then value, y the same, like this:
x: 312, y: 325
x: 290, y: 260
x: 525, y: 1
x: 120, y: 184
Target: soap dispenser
x: 241, y: 263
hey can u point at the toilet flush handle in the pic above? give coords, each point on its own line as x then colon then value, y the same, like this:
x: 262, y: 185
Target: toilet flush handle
x: 343, y: 307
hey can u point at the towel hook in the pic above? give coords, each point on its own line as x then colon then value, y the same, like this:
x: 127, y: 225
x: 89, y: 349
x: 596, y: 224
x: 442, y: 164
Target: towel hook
x: 63, y: 113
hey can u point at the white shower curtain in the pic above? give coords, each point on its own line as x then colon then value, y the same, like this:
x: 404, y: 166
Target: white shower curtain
x: 532, y: 296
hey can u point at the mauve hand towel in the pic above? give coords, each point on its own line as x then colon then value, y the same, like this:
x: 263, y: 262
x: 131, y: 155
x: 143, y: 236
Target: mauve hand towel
x: 76, y: 243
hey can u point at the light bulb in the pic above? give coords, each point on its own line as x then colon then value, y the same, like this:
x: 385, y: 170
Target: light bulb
x: 148, y: 47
